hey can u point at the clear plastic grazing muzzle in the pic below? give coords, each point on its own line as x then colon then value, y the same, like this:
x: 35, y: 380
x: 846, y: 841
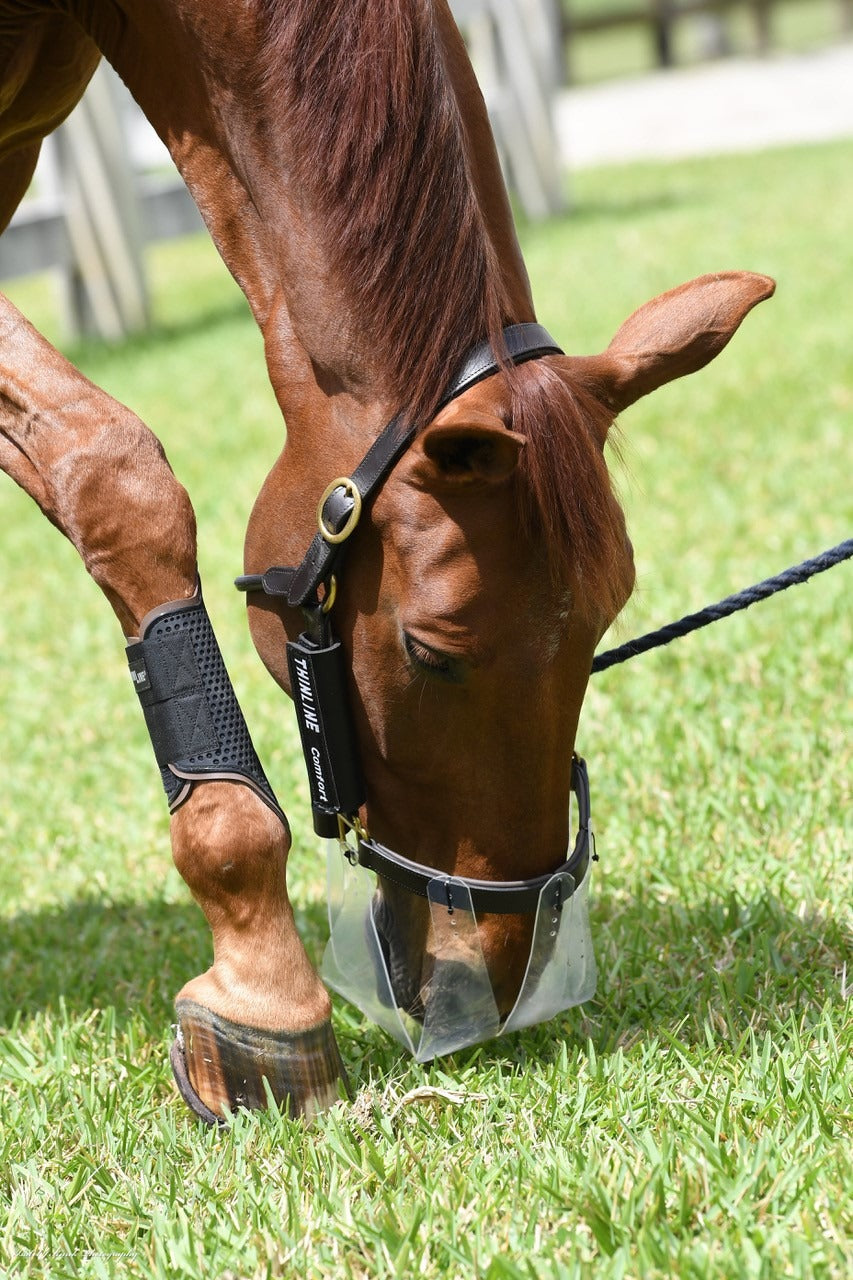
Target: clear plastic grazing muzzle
x: 459, y: 1003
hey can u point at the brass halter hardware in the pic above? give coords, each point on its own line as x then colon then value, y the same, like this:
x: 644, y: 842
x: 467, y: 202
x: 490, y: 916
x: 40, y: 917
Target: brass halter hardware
x: 330, y: 596
x: 352, y: 492
x: 354, y: 824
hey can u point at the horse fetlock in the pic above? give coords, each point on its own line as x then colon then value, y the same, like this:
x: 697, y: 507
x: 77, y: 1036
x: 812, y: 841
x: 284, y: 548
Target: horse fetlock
x: 232, y: 850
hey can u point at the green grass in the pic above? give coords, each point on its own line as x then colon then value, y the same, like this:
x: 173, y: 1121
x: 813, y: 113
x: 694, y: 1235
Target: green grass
x: 695, y: 1118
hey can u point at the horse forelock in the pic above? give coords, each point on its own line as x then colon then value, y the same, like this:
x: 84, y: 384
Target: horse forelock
x: 566, y: 498
x: 378, y: 148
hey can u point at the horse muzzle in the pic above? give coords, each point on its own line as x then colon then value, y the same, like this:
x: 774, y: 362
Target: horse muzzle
x: 457, y: 1006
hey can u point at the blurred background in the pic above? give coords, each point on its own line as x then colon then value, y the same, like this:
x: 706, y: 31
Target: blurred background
x: 569, y: 84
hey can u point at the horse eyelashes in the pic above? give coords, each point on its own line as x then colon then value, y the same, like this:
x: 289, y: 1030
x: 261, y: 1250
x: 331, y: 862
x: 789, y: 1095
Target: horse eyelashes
x: 427, y: 659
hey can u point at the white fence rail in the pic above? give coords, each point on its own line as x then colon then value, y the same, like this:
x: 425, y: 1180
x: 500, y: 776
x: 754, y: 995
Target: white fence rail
x: 105, y: 186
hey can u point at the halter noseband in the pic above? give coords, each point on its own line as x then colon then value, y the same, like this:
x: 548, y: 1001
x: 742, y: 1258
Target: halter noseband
x: 316, y: 659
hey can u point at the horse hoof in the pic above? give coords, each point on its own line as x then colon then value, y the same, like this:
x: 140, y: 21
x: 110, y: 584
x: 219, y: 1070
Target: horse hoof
x: 220, y: 1065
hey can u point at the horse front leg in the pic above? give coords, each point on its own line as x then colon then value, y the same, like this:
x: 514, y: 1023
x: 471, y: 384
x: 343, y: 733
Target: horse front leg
x: 102, y: 478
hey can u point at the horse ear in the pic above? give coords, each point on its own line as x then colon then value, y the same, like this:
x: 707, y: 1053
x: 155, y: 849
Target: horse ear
x: 674, y: 334
x: 464, y: 446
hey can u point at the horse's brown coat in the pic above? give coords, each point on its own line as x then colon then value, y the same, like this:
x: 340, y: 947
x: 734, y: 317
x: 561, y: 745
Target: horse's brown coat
x: 341, y: 156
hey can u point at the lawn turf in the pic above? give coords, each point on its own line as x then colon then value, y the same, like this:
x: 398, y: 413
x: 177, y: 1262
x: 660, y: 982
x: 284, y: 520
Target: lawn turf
x: 695, y: 1118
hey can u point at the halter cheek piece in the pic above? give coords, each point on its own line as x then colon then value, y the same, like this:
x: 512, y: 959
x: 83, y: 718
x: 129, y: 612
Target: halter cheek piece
x: 317, y: 667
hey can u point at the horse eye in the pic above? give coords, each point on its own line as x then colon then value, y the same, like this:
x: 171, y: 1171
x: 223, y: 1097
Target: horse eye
x: 430, y: 660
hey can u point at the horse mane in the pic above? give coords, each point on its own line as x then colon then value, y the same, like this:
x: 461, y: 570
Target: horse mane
x: 378, y: 148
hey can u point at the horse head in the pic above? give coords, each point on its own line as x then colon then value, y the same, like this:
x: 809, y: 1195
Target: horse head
x: 476, y: 588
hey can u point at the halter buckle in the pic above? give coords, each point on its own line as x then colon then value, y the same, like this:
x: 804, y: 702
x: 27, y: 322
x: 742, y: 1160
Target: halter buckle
x: 352, y: 491
x: 330, y: 596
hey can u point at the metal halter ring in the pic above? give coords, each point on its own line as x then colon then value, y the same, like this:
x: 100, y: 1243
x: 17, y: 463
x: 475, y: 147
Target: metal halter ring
x: 352, y: 823
x: 330, y: 596
x: 351, y: 489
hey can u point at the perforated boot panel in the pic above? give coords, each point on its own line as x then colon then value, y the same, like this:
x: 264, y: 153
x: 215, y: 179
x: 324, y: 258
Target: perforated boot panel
x: 196, y: 726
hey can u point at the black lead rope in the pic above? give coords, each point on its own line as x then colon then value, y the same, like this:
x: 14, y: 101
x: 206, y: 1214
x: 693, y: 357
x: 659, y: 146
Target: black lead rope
x: 724, y: 608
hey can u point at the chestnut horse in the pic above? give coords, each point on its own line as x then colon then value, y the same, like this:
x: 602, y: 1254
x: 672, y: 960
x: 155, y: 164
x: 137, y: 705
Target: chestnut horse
x: 341, y: 156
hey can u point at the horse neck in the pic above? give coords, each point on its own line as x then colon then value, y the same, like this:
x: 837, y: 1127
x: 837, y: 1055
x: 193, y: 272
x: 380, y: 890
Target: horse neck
x: 188, y: 63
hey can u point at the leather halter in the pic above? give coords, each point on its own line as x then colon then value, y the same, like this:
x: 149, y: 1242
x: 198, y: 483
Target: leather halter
x: 503, y: 897
x: 298, y: 585
x: 319, y: 690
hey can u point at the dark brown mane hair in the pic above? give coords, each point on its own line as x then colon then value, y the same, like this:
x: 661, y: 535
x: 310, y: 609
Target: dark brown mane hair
x: 378, y: 147
x: 565, y: 495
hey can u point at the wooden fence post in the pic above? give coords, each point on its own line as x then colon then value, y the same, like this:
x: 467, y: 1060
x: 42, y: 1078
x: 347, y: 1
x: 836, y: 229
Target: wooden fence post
x: 512, y: 49
x: 763, y: 33
x: 662, y: 24
x: 104, y: 286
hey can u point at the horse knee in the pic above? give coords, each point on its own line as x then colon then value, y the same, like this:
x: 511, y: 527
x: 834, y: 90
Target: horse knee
x: 128, y: 515
x: 122, y: 498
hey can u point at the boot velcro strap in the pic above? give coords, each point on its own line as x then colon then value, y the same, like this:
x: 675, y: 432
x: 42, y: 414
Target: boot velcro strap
x: 166, y: 677
x: 191, y: 711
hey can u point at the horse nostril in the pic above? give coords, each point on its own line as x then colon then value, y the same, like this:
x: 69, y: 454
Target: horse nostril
x: 405, y: 986
x: 449, y: 988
